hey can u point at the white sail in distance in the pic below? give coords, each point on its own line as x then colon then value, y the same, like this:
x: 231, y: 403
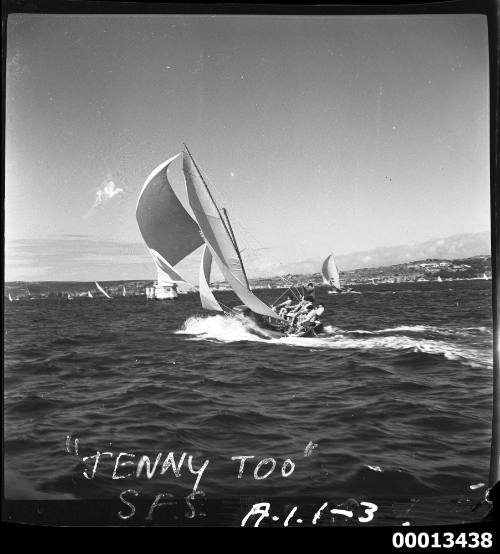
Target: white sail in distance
x: 208, y: 300
x: 168, y: 230
x: 89, y: 294
x: 124, y: 292
x: 99, y: 288
x: 330, y: 273
x: 217, y: 237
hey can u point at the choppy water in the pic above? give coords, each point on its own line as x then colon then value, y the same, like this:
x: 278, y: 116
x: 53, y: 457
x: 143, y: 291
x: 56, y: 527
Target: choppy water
x: 397, y: 397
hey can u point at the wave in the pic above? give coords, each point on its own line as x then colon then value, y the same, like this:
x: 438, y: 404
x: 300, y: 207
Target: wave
x: 429, y: 329
x: 394, y: 482
x: 226, y: 329
x: 32, y: 404
x: 222, y: 328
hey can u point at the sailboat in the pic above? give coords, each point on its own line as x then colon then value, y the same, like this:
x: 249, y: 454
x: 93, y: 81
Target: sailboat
x: 171, y: 234
x: 330, y: 275
x: 90, y: 295
x: 10, y: 298
x: 124, y: 291
x: 439, y: 280
x: 100, y: 289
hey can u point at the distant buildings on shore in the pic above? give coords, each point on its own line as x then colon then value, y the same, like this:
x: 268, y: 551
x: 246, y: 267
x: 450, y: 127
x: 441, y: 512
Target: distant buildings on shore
x: 478, y: 267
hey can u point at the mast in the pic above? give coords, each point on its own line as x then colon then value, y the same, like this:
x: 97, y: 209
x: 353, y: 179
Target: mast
x: 228, y: 231
x: 235, y: 244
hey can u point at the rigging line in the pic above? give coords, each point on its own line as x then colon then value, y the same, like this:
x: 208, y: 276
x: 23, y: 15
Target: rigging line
x: 289, y: 284
x: 217, y: 208
x: 283, y: 294
x: 233, y: 238
x: 260, y: 246
x: 235, y: 244
x: 246, y: 232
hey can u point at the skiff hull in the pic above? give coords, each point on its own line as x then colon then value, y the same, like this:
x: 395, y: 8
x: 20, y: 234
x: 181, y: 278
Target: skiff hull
x: 273, y: 329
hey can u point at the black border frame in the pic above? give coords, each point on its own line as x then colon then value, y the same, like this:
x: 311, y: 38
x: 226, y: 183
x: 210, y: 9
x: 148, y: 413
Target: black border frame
x: 103, y: 512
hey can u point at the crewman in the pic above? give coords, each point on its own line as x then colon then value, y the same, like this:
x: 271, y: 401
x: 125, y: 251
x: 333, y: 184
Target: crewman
x: 309, y: 292
x: 284, y: 306
x: 310, y: 319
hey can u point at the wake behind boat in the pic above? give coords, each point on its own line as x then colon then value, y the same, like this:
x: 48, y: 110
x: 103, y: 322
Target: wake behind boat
x: 171, y: 234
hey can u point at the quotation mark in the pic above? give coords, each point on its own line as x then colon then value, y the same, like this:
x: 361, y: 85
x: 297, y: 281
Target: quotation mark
x: 75, y: 443
x: 309, y: 449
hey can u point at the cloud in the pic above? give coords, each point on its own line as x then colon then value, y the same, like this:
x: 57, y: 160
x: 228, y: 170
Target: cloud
x: 109, y: 191
x: 67, y: 257
x: 86, y: 258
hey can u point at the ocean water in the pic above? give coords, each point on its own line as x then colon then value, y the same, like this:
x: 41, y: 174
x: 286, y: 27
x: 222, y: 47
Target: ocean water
x: 392, y: 406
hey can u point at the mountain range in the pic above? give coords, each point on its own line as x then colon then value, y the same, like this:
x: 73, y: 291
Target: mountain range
x: 453, y: 247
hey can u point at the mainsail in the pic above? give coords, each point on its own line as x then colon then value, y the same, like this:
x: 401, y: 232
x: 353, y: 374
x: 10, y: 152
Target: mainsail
x: 214, y: 228
x: 208, y: 300
x: 124, y: 292
x: 102, y: 290
x: 167, y: 229
x: 330, y: 273
x: 218, y: 237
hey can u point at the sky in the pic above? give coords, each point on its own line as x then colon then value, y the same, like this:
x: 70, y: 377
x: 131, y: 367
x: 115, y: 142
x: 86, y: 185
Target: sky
x: 319, y: 134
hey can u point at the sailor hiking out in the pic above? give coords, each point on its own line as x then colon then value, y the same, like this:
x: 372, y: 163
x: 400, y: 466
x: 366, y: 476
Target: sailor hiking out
x: 303, y: 317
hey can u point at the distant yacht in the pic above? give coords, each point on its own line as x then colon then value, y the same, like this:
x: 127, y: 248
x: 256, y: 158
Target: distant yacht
x: 100, y: 289
x: 330, y: 275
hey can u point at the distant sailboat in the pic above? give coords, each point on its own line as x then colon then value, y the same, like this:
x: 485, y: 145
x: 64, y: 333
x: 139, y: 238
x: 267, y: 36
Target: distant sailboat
x: 100, y: 289
x: 10, y: 298
x: 330, y: 275
x: 89, y: 294
x: 439, y: 280
x: 124, y: 292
